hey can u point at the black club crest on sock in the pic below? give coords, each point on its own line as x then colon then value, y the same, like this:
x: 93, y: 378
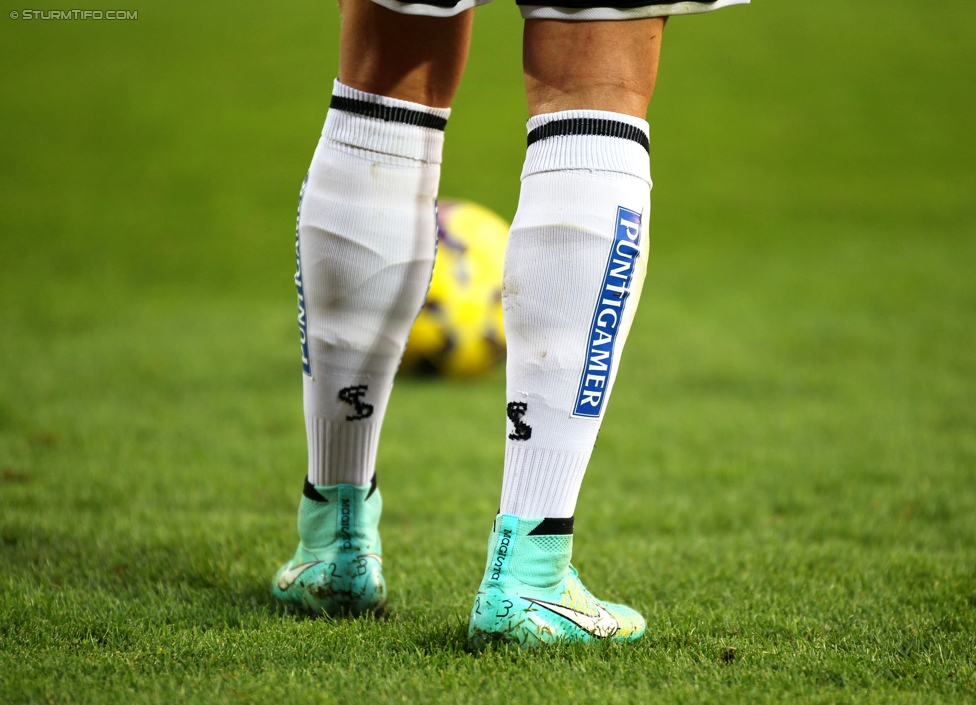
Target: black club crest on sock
x: 354, y: 396
x: 516, y: 410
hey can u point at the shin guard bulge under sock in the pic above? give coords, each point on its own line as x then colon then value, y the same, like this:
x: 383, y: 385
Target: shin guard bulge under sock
x: 366, y: 239
x: 574, y: 270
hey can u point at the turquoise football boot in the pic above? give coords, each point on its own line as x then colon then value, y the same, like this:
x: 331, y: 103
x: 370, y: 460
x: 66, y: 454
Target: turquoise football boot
x: 531, y: 595
x: 338, y: 568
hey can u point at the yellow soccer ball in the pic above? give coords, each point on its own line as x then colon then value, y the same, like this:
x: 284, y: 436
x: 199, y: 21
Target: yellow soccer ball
x: 459, y: 331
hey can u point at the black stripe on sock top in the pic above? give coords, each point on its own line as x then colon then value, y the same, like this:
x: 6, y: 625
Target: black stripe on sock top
x: 553, y: 527
x: 311, y: 493
x: 590, y: 126
x: 387, y: 113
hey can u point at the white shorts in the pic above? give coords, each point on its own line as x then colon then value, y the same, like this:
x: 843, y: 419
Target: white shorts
x: 569, y: 10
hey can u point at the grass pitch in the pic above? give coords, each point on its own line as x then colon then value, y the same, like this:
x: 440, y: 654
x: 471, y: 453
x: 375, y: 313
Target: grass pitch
x: 785, y: 484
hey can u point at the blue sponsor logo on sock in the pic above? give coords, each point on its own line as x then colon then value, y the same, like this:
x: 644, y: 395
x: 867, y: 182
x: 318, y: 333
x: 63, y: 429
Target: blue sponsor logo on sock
x: 302, y: 318
x: 609, y: 315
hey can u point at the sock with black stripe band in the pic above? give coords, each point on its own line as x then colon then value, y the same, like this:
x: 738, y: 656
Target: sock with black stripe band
x: 574, y: 270
x: 365, y: 243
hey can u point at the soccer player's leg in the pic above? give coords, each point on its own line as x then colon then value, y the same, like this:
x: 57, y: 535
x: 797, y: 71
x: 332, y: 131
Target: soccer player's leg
x: 573, y: 274
x: 365, y: 244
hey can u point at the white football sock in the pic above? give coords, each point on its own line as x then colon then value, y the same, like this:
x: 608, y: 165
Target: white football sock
x: 572, y: 281
x: 365, y: 244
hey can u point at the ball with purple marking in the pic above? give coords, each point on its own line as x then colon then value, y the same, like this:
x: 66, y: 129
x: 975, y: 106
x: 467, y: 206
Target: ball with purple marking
x: 459, y: 331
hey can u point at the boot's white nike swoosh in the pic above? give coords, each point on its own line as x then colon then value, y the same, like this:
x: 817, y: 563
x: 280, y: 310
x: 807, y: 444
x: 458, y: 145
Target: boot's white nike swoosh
x: 290, y: 575
x: 601, y: 625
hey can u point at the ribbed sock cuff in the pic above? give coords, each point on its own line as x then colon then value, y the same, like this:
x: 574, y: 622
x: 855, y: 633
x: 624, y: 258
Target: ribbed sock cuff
x: 539, y: 482
x: 386, y: 125
x: 341, y: 451
x: 588, y: 139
